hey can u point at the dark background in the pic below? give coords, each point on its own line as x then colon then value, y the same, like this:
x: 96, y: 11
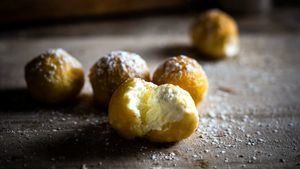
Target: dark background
x: 249, y: 119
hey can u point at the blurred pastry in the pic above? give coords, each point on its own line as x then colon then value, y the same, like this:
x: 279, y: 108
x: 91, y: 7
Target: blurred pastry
x: 216, y: 35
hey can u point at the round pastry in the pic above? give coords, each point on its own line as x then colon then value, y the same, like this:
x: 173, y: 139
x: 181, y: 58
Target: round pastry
x: 215, y: 34
x: 113, y: 69
x: 163, y: 113
x: 54, y: 76
x: 184, y: 72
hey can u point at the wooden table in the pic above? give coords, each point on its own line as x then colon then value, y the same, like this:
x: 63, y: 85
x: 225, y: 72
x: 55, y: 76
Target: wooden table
x: 250, y: 118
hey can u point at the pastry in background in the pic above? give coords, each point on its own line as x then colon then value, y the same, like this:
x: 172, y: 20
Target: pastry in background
x: 216, y: 35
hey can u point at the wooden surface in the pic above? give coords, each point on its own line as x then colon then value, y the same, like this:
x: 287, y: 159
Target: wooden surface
x: 250, y: 118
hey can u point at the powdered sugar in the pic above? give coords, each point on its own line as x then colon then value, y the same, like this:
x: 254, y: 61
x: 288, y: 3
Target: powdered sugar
x: 49, y: 62
x: 177, y: 66
x: 123, y: 61
x: 64, y: 57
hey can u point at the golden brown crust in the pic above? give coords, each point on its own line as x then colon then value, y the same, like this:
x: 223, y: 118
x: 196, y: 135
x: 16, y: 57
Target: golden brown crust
x: 110, y: 71
x: 184, y: 72
x: 213, y: 31
x: 54, y: 76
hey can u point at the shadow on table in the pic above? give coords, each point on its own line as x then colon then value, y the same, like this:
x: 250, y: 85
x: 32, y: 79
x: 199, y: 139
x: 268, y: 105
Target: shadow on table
x: 18, y: 100
x: 182, y: 49
x: 94, y: 143
x: 75, y: 142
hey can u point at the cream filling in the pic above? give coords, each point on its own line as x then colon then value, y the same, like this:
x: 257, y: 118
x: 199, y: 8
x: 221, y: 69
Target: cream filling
x: 134, y: 95
x: 165, y: 104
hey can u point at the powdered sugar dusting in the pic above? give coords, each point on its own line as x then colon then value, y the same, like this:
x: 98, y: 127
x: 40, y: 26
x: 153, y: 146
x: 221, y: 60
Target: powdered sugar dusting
x: 52, y: 60
x: 177, y: 66
x: 129, y: 63
x: 64, y: 56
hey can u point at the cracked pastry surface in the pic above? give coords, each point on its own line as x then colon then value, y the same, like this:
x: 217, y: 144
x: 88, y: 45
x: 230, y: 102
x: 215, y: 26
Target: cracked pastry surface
x: 164, y: 113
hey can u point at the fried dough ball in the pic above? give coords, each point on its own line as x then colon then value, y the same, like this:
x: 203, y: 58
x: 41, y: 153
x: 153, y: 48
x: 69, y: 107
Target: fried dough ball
x: 215, y: 34
x: 112, y: 70
x: 184, y: 72
x: 54, y: 76
x: 163, y: 113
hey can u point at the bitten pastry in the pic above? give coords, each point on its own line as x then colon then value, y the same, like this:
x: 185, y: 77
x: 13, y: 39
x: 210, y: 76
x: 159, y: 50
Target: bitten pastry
x: 163, y: 113
x: 113, y: 69
x: 184, y: 72
x: 216, y: 34
x: 54, y: 76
